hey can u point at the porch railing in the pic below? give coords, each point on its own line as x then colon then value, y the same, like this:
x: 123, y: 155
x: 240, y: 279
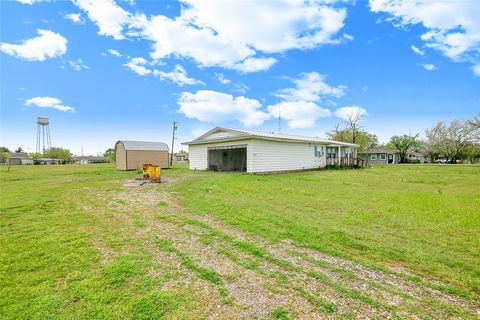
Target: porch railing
x: 346, y: 162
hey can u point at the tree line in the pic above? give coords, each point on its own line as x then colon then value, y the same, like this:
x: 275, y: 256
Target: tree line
x: 450, y: 141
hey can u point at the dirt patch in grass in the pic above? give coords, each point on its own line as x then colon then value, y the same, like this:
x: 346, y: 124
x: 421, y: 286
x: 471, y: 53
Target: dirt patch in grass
x: 239, y: 275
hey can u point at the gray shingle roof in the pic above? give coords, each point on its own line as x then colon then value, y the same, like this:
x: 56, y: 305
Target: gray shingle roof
x: 380, y: 150
x: 144, y: 145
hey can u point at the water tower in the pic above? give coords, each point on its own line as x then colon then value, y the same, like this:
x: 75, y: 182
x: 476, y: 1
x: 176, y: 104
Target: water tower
x: 43, y: 130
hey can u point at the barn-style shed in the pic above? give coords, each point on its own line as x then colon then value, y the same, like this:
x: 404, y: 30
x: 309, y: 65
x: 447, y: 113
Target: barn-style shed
x: 131, y: 155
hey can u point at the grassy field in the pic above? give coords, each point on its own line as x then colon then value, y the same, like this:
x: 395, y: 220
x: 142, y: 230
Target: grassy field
x: 81, y: 242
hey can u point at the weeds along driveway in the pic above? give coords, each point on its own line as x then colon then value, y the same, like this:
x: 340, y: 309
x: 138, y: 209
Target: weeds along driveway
x: 93, y: 247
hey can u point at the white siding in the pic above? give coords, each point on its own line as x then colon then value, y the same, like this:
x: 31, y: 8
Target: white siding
x: 264, y: 155
x: 271, y: 156
x: 198, y: 154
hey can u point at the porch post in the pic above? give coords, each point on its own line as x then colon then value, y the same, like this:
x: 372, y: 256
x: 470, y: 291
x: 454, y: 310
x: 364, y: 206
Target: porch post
x: 339, y: 155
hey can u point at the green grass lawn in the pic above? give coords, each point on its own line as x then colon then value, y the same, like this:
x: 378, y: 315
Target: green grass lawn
x: 76, y: 243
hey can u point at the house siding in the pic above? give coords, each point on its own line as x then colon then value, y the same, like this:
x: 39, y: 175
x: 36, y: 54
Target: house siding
x: 198, y: 153
x: 272, y: 156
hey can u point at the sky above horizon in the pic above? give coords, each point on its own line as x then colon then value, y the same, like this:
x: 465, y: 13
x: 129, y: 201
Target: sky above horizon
x: 105, y: 70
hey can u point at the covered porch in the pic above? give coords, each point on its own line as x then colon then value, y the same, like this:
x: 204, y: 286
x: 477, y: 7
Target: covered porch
x: 345, y: 156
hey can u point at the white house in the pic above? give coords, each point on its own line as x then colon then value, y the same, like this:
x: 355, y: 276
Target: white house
x: 223, y: 149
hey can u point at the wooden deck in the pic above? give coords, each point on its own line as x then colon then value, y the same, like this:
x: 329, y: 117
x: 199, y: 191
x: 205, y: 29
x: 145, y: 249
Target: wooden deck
x: 346, y: 162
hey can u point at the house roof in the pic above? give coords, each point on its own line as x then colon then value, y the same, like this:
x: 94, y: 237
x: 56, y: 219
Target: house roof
x: 380, y: 150
x: 91, y: 158
x: 244, y: 134
x: 144, y: 145
x: 389, y: 151
x: 19, y: 155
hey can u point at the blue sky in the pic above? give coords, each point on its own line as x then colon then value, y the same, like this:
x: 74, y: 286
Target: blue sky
x: 104, y: 70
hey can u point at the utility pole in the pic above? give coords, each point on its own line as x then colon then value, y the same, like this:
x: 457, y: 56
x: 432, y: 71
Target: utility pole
x: 279, y: 121
x: 173, y: 142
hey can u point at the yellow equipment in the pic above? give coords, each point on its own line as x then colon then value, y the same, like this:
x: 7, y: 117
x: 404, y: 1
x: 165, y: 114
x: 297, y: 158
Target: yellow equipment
x: 151, y: 172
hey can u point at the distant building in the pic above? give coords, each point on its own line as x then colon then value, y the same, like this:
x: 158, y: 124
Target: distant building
x: 389, y: 156
x: 88, y: 159
x: 180, y: 157
x: 132, y: 155
x: 47, y: 161
x: 19, y: 158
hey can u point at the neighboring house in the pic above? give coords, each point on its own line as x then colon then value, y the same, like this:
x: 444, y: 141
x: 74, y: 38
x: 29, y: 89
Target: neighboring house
x: 223, y: 149
x: 132, y: 155
x: 388, y: 156
x: 47, y: 161
x: 180, y: 157
x: 19, y: 158
x: 88, y: 159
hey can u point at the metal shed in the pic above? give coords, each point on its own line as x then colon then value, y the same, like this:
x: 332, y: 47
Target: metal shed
x: 131, y: 155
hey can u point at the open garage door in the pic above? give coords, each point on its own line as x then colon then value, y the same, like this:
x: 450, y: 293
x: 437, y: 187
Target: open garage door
x: 227, y: 158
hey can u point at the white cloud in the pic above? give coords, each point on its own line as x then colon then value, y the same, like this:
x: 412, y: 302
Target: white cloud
x: 418, y: 51
x: 348, y: 37
x: 114, y: 52
x: 310, y: 86
x: 227, y: 34
x: 299, y: 114
x: 78, y: 65
x: 221, y: 78
x: 429, y: 67
x: 107, y: 15
x: 137, y: 65
x: 29, y: 1
x: 75, y: 18
x: 213, y: 106
x: 453, y: 27
x: 476, y: 69
x: 49, y: 102
x: 178, y: 75
x: 47, y: 44
x: 255, y: 64
x: 352, y: 111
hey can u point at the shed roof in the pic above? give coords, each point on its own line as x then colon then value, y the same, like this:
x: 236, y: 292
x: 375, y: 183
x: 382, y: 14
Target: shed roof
x: 242, y: 133
x: 144, y: 145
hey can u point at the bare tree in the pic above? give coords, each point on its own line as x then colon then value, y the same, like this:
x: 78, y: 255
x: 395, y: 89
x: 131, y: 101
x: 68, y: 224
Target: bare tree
x: 475, y: 125
x: 353, y: 116
x: 451, y: 139
x: 475, y: 122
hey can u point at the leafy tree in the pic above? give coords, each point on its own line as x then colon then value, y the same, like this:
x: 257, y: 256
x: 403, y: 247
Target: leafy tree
x: 59, y: 153
x: 471, y: 153
x: 404, y: 144
x: 19, y: 149
x: 364, y: 139
x: 35, y: 155
x: 110, y: 155
x: 4, y: 153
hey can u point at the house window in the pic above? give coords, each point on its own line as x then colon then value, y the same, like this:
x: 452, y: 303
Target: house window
x: 373, y: 157
x: 331, y: 152
x: 318, y: 151
x: 383, y: 156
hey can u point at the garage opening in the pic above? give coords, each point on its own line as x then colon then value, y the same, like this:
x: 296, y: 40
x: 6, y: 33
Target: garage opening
x: 227, y: 158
